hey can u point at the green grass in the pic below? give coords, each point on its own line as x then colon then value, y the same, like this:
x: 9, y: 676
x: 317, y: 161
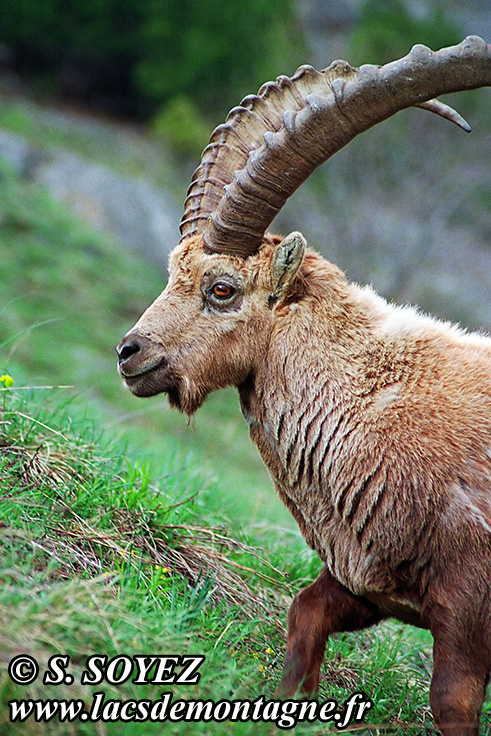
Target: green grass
x: 121, y: 532
x: 99, y: 557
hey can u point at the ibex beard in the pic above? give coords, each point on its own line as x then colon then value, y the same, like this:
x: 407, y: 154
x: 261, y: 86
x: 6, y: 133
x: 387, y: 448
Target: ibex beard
x: 373, y: 420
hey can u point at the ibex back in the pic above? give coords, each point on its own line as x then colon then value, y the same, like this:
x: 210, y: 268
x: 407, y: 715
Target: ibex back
x: 374, y: 421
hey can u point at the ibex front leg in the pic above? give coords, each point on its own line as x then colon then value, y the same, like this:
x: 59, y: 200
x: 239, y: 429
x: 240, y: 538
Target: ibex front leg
x: 461, y: 670
x: 324, y: 608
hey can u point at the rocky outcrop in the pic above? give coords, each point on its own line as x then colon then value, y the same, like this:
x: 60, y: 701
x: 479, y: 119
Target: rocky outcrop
x: 131, y: 209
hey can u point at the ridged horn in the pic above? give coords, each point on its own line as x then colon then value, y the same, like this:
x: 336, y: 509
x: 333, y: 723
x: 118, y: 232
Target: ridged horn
x: 273, y: 141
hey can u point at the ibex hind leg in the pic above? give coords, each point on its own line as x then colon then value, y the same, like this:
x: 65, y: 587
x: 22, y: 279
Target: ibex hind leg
x: 461, y: 672
x: 321, y: 609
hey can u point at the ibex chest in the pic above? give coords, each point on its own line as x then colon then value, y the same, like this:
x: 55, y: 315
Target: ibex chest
x: 293, y: 442
x: 312, y: 453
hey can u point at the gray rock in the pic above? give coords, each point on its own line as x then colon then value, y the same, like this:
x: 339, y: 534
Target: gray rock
x: 131, y: 209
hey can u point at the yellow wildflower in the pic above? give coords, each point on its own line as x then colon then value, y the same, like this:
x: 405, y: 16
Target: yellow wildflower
x: 7, y: 380
x: 162, y: 569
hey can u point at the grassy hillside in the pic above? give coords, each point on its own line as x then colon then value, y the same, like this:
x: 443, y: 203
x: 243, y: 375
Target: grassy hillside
x: 120, y: 533
x: 68, y: 296
x: 98, y: 557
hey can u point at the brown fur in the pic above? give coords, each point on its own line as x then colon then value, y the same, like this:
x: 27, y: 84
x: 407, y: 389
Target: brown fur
x: 375, y: 424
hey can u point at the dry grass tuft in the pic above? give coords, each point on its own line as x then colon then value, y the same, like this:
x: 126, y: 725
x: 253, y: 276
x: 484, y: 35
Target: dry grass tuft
x: 48, y: 471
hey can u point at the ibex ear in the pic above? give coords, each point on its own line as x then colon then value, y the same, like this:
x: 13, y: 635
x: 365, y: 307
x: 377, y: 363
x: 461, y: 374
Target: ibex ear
x: 285, y: 263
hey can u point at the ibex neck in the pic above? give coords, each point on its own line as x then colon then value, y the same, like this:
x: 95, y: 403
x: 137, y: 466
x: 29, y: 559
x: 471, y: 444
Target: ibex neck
x: 305, y: 385
x: 296, y: 413
x: 294, y: 409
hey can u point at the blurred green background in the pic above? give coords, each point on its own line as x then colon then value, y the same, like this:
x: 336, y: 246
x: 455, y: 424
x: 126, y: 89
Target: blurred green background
x: 177, y: 60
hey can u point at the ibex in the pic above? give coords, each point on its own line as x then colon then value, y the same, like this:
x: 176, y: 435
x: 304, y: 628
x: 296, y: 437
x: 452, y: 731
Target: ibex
x: 373, y: 420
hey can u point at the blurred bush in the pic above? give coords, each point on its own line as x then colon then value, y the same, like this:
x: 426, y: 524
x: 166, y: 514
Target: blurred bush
x: 135, y: 57
x: 181, y: 123
x: 214, y: 50
x: 386, y: 30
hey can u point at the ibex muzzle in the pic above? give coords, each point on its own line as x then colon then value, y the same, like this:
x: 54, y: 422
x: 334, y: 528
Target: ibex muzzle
x: 142, y: 365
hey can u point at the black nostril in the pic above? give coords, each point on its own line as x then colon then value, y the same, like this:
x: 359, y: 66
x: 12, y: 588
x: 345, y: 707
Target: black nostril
x: 127, y: 349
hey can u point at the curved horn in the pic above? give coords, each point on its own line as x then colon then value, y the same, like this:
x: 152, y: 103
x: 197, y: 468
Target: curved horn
x: 273, y: 141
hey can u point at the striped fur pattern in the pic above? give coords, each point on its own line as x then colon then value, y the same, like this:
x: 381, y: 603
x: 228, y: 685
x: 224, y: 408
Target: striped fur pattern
x: 379, y: 418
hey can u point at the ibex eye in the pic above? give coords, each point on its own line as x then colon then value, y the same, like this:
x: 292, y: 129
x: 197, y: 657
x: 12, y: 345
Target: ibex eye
x: 222, y: 291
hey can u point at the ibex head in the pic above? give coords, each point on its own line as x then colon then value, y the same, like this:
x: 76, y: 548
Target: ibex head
x: 228, y: 277
x: 208, y: 327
